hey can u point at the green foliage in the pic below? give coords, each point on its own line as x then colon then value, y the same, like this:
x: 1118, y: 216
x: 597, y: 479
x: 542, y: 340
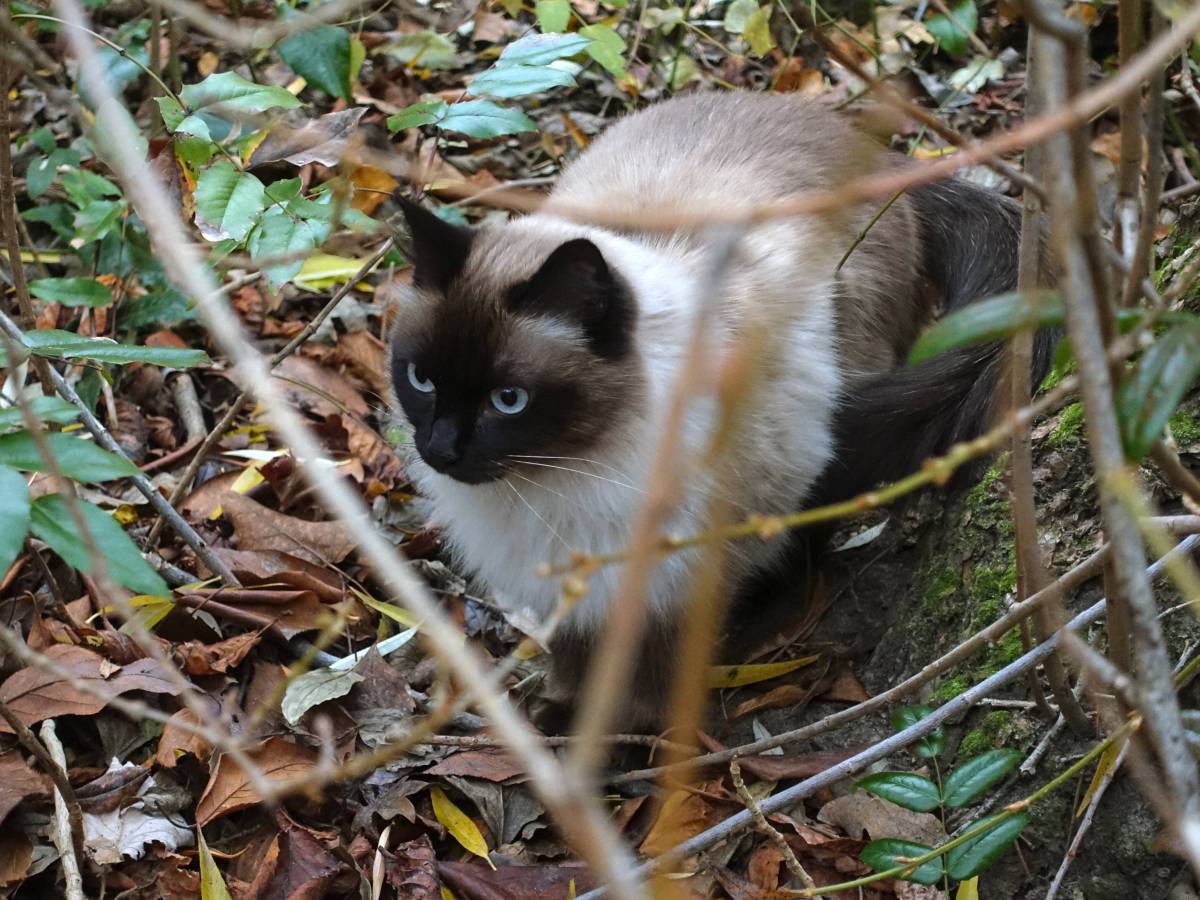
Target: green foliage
x: 56, y: 344
x: 987, y: 320
x: 46, y: 409
x: 907, y: 789
x: 71, y: 291
x: 51, y: 522
x: 887, y: 853
x: 1068, y: 427
x: 321, y: 56
x: 14, y: 515
x: 229, y: 200
x: 75, y: 457
x: 953, y: 32
x: 965, y: 784
x: 906, y: 716
x: 553, y: 15
x: 1152, y: 391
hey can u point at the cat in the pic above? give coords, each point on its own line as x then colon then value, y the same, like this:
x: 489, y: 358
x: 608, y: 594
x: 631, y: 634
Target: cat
x: 533, y: 361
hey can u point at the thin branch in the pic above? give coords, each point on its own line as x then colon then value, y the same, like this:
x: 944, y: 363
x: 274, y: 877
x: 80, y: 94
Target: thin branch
x: 62, y: 826
x: 770, y: 831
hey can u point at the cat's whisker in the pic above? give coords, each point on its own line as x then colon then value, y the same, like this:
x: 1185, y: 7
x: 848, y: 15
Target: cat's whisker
x: 540, y: 486
x: 527, y: 462
x: 541, y: 519
x: 584, y: 459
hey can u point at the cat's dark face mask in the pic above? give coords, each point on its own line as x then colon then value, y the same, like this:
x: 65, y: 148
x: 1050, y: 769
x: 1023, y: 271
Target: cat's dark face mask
x: 500, y: 372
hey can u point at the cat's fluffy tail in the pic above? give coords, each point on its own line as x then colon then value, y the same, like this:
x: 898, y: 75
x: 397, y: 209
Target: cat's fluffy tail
x: 887, y: 426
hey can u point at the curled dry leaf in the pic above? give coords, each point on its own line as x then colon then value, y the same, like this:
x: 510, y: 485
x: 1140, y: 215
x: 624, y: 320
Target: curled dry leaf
x: 297, y: 865
x: 410, y: 870
x: 16, y: 854
x: 491, y: 764
x: 198, y: 658
x: 229, y: 787
x: 861, y: 814
x: 34, y: 694
x: 124, y: 830
x: 112, y: 789
x: 684, y: 814
x: 177, y: 741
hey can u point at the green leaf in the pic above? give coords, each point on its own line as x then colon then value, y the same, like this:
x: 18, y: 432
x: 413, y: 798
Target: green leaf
x: 171, y: 111
x: 96, y: 219
x: 971, y: 857
x: 952, y: 32
x: 885, y: 854
x: 907, y: 789
x: 321, y: 56
x: 738, y: 15
x: 426, y: 49
x: 71, y: 291
x: 285, y: 238
x: 42, y: 171
x: 52, y: 522
x: 518, y: 81
x: 758, y: 31
x: 59, y: 344
x: 553, y: 15
x: 165, y: 307
x: 607, y: 48
x: 314, y: 688
x: 223, y: 93
x: 1152, y: 391
x: 14, y: 516
x: 45, y: 409
x: 229, y: 199
x: 541, y: 49
x: 988, y: 320
x: 972, y: 779
x: 418, y: 114
x: 929, y: 746
x: 485, y: 119
x: 76, y: 458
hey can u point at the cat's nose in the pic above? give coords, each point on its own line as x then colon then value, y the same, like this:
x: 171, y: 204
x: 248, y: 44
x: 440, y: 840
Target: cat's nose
x: 442, y: 450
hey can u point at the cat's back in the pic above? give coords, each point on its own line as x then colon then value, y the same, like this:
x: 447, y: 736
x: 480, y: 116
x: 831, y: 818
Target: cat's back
x: 715, y: 148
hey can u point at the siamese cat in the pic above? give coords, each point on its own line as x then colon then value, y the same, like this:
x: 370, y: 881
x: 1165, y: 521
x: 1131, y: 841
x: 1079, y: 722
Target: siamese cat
x: 534, y: 361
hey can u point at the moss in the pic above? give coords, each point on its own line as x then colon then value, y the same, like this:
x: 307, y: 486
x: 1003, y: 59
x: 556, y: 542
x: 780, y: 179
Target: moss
x: 1068, y: 427
x: 1185, y: 428
x: 989, y: 585
x: 981, y: 494
x: 1000, y: 654
x: 941, y: 587
x: 986, y: 737
x: 949, y: 689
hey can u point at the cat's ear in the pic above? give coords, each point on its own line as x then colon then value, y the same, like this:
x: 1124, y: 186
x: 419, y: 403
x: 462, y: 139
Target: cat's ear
x: 439, y: 247
x: 576, y: 282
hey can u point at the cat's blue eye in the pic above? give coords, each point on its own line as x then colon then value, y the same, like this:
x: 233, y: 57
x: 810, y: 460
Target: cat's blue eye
x: 418, y: 380
x: 510, y: 400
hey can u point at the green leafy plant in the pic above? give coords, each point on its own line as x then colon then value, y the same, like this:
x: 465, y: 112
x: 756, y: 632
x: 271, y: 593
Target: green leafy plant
x: 960, y: 787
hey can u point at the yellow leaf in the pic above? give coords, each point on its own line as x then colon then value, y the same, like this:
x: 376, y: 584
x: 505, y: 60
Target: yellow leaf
x: 1108, y: 759
x: 738, y: 676
x: 968, y: 890
x: 459, y: 824
x: 321, y: 270
x: 447, y: 894
x: 934, y: 153
x: 758, y: 31
x: 248, y: 479
x: 391, y: 610
x: 125, y: 514
x: 212, y: 885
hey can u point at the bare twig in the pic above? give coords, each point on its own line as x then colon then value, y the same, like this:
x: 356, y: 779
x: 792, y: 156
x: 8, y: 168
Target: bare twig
x: 768, y: 830
x: 61, y: 830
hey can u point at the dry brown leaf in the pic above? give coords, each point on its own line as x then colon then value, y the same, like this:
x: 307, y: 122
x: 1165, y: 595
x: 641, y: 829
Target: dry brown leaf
x: 684, y: 814
x: 284, y: 613
x: 411, y: 872
x: 372, y: 187
x: 781, y: 768
x: 229, y: 787
x: 323, y: 139
x: 784, y: 695
x: 366, y: 357
x: 515, y: 882
x: 272, y: 568
x: 861, y: 814
x: 318, y: 390
x: 177, y: 741
x: 846, y: 689
x: 34, y: 694
x: 198, y: 658
x: 112, y: 789
x: 300, y: 866
x: 492, y: 764
x: 258, y: 527
x: 16, y: 853
x: 18, y: 782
